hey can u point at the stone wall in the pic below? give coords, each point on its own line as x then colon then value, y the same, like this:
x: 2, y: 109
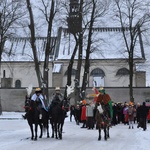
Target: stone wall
x: 13, y: 99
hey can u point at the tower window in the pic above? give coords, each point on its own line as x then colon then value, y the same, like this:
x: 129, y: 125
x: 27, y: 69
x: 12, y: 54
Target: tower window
x: 18, y: 84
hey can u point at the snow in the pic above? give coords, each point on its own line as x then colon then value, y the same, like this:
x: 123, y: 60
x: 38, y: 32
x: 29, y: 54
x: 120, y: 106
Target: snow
x: 15, y: 135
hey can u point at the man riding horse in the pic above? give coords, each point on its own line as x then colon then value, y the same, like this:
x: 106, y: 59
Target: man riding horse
x: 56, y: 99
x: 39, y: 99
x: 104, y: 99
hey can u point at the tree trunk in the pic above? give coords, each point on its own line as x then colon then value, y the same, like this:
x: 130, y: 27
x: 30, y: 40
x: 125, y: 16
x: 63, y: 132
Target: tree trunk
x: 77, y: 77
x: 47, y: 53
x: 87, y: 61
x: 33, y: 44
x: 131, y: 76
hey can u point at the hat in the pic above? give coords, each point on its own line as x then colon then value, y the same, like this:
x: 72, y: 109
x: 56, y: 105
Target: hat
x: 84, y: 102
x: 38, y: 90
x: 101, y: 90
x: 131, y: 103
x: 57, y: 88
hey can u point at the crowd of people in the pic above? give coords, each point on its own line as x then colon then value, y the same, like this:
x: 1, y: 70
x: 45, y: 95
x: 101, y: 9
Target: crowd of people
x: 84, y: 112
x: 128, y: 113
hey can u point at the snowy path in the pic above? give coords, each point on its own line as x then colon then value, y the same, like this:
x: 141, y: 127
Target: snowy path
x: 15, y: 135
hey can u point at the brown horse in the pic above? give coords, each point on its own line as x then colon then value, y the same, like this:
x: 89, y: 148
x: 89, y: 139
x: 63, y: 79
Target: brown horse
x: 102, y: 121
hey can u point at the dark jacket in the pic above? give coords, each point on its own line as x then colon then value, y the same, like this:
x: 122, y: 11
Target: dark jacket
x: 143, y: 111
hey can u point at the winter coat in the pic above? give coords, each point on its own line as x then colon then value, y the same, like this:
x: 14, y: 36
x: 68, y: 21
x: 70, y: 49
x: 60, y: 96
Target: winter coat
x: 125, y: 110
x: 130, y: 113
x: 89, y: 111
x: 83, y: 113
x: 148, y: 117
x: 103, y: 98
x: 143, y: 111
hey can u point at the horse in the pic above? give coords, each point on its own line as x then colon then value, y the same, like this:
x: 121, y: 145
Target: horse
x: 32, y: 116
x: 102, y: 121
x: 58, y: 114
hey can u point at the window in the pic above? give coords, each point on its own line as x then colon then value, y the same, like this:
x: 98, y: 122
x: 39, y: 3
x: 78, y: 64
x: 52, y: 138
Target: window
x: 122, y: 72
x: 73, y: 72
x: 98, y: 77
x: 4, y: 73
x: 97, y: 72
x: 18, y: 84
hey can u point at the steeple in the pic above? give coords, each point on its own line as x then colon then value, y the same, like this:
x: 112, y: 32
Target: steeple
x: 73, y: 20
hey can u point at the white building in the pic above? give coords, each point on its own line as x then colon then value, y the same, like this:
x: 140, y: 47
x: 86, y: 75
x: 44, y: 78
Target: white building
x: 108, y: 60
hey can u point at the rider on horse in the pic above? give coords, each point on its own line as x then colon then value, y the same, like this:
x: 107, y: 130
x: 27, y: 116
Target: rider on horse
x: 56, y: 99
x: 39, y: 99
x: 104, y: 99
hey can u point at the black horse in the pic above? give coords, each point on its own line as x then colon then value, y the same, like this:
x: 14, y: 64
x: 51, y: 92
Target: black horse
x: 102, y: 121
x: 32, y: 115
x: 58, y: 114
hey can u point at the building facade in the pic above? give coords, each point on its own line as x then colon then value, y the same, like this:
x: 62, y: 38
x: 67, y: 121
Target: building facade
x: 108, y: 61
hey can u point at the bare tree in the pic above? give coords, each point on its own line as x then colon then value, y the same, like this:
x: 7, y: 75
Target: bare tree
x: 132, y: 15
x: 49, y: 12
x: 82, y: 21
x: 10, y: 18
x: 95, y: 9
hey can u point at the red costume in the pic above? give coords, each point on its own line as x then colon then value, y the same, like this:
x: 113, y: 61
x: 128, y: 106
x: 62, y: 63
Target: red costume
x: 103, y: 98
x: 83, y: 113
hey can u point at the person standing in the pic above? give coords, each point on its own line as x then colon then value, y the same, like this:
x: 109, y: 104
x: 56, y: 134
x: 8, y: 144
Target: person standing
x: 90, y: 115
x: 83, y: 114
x: 143, y: 112
x: 130, y: 113
x: 77, y: 114
x: 72, y: 112
x: 125, y: 113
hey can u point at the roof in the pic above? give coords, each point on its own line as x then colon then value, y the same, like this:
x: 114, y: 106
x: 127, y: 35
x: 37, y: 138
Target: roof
x: 107, y: 43
x: 19, y: 48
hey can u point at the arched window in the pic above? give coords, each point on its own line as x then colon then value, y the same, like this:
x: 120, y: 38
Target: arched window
x: 97, y: 72
x: 18, y: 84
x: 98, y: 77
x: 73, y: 72
x: 122, y: 72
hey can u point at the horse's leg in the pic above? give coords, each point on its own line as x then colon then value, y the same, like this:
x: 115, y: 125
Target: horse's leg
x: 47, y: 128
x: 36, y: 126
x: 99, y: 131
x: 32, y: 133
x: 60, y: 128
x: 41, y: 128
x: 108, y: 132
x: 52, y: 125
x: 71, y: 117
x: 105, y: 133
x: 56, y: 129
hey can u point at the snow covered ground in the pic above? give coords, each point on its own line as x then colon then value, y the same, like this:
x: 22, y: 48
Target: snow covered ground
x: 15, y: 135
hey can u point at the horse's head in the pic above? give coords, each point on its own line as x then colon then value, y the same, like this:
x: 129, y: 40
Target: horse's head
x: 66, y: 103
x: 27, y: 103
